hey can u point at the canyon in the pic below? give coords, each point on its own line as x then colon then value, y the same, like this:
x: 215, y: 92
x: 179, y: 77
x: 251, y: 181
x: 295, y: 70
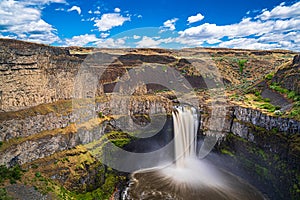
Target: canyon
x: 50, y: 106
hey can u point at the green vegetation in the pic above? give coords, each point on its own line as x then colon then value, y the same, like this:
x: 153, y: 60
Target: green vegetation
x: 267, y: 100
x: 262, y: 103
x: 269, y: 107
x: 237, y: 97
x: 100, y: 115
x: 270, y: 76
x: 227, y: 152
x: 257, y: 93
x: 292, y: 95
x: 4, y: 195
x: 241, y: 64
x: 38, y: 174
x: 295, y: 112
x: 13, y: 173
x: 73, y: 164
x: 253, y: 98
x: 103, y: 192
x: 121, y: 142
x: 276, y: 87
x: 262, y: 162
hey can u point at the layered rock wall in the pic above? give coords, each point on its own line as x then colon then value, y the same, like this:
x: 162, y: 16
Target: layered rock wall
x: 32, y: 74
x: 238, y: 120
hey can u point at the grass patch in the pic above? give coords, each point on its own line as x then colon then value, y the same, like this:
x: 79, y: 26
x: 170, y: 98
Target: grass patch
x: 291, y: 94
x: 117, y: 138
x: 75, y: 164
x: 269, y: 107
x: 295, y: 112
x: 276, y: 87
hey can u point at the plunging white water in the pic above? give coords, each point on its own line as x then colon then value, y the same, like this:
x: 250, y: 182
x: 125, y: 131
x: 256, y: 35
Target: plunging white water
x: 185, y: 119
x: 188, y: 168
x: 189, y: 178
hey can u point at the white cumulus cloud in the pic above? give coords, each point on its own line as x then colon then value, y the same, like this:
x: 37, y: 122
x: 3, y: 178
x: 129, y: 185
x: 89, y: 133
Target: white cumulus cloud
x: 75, y: 8
x: 97, y: 12
x: 248, y: 33
x: 282, y: 12
x: 23, y: 20
x: 153, y: 42
x: 117, y: 10
x: 104, y: 35
x: 81, y: 40
x: 148, y: 42
x: 91, y: 39
x: 196, y: 18
x: 136, y: 37
x: 110, y: 20
x: 170, y: 24
x: 111, y: 43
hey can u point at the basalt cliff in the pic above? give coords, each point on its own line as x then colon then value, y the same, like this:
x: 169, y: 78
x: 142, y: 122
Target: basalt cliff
x: 55, y: 102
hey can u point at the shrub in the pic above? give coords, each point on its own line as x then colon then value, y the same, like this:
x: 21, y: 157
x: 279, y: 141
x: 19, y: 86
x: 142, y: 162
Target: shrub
x: 241, y: 64
x: 13, y: 174
x: 295, y: 113
x: 257, y: 93
x: 270, y: 76
x: 100, y: 115
x: 258, y: 99
x: 291, y: 95
x: 267, y: 100
x: 38, y: 174
x: 297, y: 98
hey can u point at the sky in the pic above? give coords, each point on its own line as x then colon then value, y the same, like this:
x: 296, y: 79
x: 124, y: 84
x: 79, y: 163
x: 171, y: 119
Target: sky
x: 246, y: 24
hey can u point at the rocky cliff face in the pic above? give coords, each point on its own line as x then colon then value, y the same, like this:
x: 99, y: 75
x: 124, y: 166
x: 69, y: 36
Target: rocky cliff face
x: 16, y: 128
x: 29, y: 138
x: 257, y: 118
x: 35, y: 137
x: 33, y: 74
x: 265, y: 150
x: 288, y: 76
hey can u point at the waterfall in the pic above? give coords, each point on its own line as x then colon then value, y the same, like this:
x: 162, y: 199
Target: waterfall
x: 189, y: 178
x: 185, y: 119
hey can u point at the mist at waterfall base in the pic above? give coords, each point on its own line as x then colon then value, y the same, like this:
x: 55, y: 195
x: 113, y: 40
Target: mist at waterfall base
x: 188, y: 178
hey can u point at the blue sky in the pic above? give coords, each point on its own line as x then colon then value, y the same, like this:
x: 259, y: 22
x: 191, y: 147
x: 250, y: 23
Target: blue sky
x: 251, y: 24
